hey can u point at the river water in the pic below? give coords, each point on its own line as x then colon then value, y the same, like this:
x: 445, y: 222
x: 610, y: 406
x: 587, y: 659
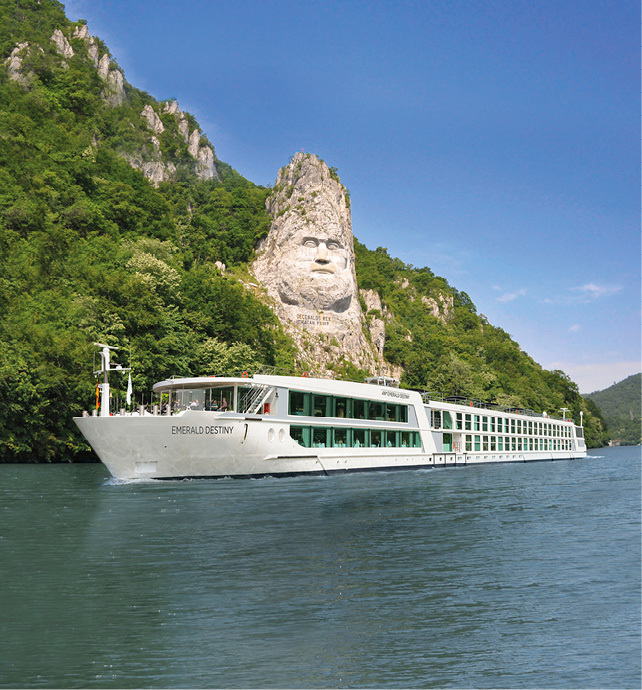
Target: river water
x: 505, y: 576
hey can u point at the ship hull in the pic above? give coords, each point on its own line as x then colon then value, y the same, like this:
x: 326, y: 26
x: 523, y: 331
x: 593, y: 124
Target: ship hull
x: 211, y: 445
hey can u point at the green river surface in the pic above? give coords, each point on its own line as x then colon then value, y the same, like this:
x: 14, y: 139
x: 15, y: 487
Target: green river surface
x: 501, y: 576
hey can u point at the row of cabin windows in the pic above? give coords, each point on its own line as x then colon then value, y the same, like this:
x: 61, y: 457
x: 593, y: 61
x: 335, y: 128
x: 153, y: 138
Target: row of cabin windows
x: 510, y: 443
x: 342, y: 437
x: 313, y: 405
x: 441, y: 419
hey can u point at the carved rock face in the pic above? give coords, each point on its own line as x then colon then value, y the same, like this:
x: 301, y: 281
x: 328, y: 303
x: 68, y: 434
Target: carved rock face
x: 308, y: 258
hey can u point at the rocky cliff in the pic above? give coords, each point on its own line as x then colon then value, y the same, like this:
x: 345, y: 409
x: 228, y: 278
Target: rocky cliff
x: 306, y: 267
x: 164, y: 145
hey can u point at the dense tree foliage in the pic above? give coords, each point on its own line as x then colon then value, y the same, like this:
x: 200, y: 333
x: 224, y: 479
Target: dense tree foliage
x: 620, y: 406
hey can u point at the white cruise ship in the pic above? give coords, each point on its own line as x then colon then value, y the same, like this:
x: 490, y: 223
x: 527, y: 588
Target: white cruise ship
x: 270, y: 425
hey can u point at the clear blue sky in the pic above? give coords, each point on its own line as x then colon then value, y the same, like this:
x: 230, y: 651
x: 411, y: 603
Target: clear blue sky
x: 495, y: 141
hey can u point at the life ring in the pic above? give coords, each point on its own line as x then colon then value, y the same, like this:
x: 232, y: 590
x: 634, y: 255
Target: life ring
x: 244, y: 375
x: 305, y: 374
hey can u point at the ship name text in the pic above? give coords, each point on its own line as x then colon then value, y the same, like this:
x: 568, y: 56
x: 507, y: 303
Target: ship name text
x: 193, y: 429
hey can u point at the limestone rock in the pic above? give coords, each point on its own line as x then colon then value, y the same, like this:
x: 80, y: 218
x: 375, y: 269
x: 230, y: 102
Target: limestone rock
x: 194, y: 143
x: 115, y: 94
x: 172, y: 108
x: 62, y: 44
x: 441, y: 308
x: 155, y: 170
x: 82, y: 32
x: 306, y: 265
x: 14, y: 63
x: 204, y: 156
x: 153, y: 120
x: 376, y: 316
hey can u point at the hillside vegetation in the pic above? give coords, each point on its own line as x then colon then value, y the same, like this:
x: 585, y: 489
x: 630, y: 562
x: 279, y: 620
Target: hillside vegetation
x: 620, y: 406
x: 91, y: 250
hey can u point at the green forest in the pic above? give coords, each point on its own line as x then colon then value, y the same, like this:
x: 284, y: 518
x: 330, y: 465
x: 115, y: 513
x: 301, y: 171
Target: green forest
x: 90, y: 251
x: 620, y: 407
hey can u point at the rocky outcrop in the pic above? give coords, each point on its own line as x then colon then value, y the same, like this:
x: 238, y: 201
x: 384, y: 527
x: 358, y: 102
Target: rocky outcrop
x: 154, y: 122
x: 306, y: 265
x: 376, y: 317
x: 441, y: 308
x: 62, y: 44
x: 15, y: 63
x: 203, y: 155
x: 113, y: 77
x: 82, y: 32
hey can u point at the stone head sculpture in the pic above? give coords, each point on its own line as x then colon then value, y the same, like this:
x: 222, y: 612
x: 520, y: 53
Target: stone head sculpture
x: 307, y: 259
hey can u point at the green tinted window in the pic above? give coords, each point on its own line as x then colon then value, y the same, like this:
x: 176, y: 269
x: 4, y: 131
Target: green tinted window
x: 320, y: 403
x: 340, y: 438
x: 298, y: 402
x: 301, y: 435
x: 359, y: 409
x: 358, y: 438
x: 320, y: 436
x: 376, y: 410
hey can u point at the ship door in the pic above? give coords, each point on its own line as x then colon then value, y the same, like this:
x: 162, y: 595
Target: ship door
x: 448, y: 443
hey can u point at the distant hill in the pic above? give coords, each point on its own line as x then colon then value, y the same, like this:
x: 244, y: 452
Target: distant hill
x: 621, y: 408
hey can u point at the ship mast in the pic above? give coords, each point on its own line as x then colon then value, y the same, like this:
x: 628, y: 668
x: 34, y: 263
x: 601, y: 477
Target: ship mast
x: 106, y: 367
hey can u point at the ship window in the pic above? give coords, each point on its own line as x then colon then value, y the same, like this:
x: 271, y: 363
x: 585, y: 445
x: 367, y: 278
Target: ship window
x: 484, y: 423
x: 476, y: 422
x: 301, y: 434
x: 468, y: 423
x: 447, y: 420
x: 493, y: 443
x: 298, y: 404
x: 500, y: 443
x: 459, y: 421
x: 342, y: 408
x: 405, y: 439
x: 513, y: 443
x: 492, y: 424
x: 500, y: 425
x: 396, y: 413
x: 469, y: 441
x: 320, y: 436
x: 436, y: 419
x: 377, y: 410
x: 512, y: 426
x: 376, y: 438
x: 477, y: 443
x: 359, y: 409
x: 358, y: 438
x: 340, y: 438
x: 320, y: 403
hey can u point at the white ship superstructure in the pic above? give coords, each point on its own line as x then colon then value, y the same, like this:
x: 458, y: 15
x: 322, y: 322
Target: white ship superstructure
x: 271, y: 425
